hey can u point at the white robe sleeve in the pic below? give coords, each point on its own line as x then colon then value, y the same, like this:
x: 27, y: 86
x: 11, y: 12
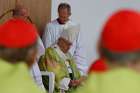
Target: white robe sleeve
x: 80, y: 56
x: 64, y: 83
x: 35, y: 71
x: 41, y: 49
x: 48, y: 37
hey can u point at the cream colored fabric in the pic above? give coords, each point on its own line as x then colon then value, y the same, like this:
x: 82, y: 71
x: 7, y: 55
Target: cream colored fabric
x: 70, y: 32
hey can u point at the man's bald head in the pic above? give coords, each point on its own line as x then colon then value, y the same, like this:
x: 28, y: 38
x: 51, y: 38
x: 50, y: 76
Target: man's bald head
x: 20, y: 11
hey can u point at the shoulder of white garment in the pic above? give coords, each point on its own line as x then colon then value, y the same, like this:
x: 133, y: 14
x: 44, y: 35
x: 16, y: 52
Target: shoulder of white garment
x: 70, y: 22
x: 54, y: 22
x: 53, y: 25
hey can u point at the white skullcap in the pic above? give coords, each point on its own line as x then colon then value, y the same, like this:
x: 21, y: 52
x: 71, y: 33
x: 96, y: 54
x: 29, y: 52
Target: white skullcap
x: 70, y: 33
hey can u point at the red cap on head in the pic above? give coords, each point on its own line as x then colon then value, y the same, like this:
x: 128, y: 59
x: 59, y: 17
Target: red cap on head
x: 122, y: 32
x: 98, y: 66
x: 17, y: 33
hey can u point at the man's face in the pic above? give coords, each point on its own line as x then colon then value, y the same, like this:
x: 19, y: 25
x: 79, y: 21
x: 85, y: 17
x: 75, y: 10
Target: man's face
x: 63, y: 15
x: 65, y: 45
x: 24, y: 12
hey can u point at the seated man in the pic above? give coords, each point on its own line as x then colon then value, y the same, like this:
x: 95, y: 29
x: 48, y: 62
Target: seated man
x: 120, y: 47
x: 57, y: 59
x: 17, y: 51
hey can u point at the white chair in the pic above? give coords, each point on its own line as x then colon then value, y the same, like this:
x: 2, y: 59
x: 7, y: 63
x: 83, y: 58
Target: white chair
x: 51, y: 80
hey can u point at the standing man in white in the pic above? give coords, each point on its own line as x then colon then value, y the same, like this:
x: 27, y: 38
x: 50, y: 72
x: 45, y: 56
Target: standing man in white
x: 54, y: 29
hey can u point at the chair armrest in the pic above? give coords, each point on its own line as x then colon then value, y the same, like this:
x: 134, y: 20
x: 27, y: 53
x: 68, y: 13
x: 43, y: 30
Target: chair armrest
x: 51, y: 80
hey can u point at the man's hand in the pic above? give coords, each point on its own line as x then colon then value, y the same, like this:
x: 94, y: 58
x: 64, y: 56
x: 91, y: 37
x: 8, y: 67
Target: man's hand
x: 74, y: 83
x: 78, y: 82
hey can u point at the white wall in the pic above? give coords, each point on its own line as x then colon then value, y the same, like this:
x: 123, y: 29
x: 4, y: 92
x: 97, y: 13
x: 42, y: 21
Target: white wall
x: 91, y: 14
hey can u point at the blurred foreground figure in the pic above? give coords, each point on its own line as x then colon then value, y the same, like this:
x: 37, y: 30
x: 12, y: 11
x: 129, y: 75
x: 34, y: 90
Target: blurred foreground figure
x: 120, y: 47
x: 20, y: 13
x: 18, y: 49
